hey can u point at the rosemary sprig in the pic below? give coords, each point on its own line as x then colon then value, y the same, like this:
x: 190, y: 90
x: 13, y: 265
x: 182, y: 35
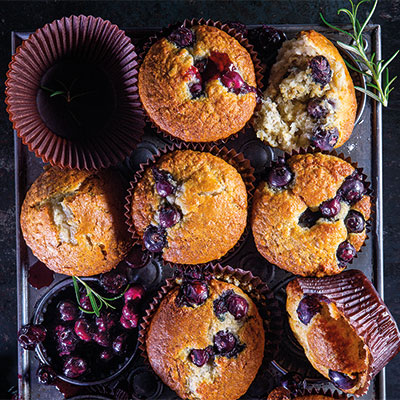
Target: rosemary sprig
x: 96, y: 300
x: 67, y: 92
x: 376, y: 71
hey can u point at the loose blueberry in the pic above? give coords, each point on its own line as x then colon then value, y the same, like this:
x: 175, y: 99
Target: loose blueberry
x: 66, y: 339
x: 321, y: 70
x: 169, y: 216
x: 293, y: 382
x: 137, y: 258
x: 105, y: 322
x: 46, y: 375
x: 85, y: 303
x: 200, y: 357
x: 352, y: 189
x: 129, y: 323
x: 238, y: 26
x: 354, y: 222
x: 164, y: 182
x: 30, y: 335
x: 345, y: 252
x: 119, y: 344
x: 154, y: 239
x: 130, y: 313
x: 341, y: 380
x: 279, y: 176
x: 67, y: 310
x: 135, y: 292
x: 324, y: 139
x: 106, y: 355
x: 330, y: 208
x: 237, y: 306
x: 267, y: 40
x: 74, y: 367
x: 182, y: 37
x: 113, y: 282
x: 83, y: 330
x: 193, y: 293
x: 307, y: 308
x: 315, y: 109
x: 102, y: 339
x: 309, y: 218
x: 224, y: 342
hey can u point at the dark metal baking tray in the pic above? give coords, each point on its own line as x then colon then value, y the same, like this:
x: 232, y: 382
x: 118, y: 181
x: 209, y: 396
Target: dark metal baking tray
x: 364, y: 146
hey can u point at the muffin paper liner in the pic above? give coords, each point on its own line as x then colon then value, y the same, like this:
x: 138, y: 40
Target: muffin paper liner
x: 188, y: 23
x: 367, y: 184
x: 253, y: 286
x: 334, y: 394
x: 83, y: 38
x: 359, y: 302
x: 237, y: 160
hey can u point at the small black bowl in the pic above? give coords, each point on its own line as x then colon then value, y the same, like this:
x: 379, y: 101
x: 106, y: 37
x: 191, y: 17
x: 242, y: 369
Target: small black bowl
x: 45, y: 311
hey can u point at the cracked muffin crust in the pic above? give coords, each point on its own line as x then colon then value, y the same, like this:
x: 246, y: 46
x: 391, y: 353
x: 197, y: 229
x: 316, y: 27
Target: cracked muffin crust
x: 310, y: 99
x: 191, y: 206
x: 309, y: 218
x: 198, y: 84
x: 206, y: 340
x: 73, y: 221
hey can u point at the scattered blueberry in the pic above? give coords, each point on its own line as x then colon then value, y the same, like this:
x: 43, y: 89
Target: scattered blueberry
x: 102, y: 339
x: 119, y: 344
x: 341, y: 380
x: 308, y: 306
x: 200, y: 357
x: 129, y: 323
x: 66, y: 339
x: 293, y: 382
x: 330, y: 208
x: 67, y: 310
x: 266, y: 40
x: 106, y: 355
x: 164, y: 182
x: 169, y: 216
x: 324, y: 139
x: 354, y: 222
x: 238, y: 26
x: 309, y: 218
x: 137, y: 258
x: 135, y: 292
x: 154, y: 239
x: 105, y: 322
x: 321, y: 70
x: 352, y: 189
x: 30, y: 335
x: 192, y: 293
x: 279, y: 176
x: 85, y: 303
x: 316, y: 110
x: 46, y: 375
x: 345, y: 252
x: 130, y: 314
x: 224, y: 343
x: 113, y: 282
x: 74, y: 367
x: 182, y: 37
x: 83, y: 330
x: 237, y: 306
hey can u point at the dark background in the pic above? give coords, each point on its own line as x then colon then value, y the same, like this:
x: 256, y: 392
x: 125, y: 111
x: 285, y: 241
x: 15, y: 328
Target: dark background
x: 29, y: 15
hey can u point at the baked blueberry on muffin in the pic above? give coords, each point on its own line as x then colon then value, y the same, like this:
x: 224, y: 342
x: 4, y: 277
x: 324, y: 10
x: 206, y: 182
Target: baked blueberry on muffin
x: 310, y: 99
x: 190, y: 206
x: 73, y: 221
x: 309, y: 217
x: 345, y: 329
x: 206, y: 340
x: 198, y: 84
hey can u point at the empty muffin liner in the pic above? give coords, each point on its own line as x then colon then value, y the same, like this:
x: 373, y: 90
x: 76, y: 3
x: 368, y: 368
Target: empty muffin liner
x: 258, y: 68
x: 252, y: 285
x: 359, y: 302
x: 237, y: 160
x: 83, y: 39
x: 367, y: 184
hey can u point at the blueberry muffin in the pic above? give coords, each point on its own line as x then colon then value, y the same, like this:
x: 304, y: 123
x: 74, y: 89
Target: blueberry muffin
x: 345, y: 329
x: 206, y: 340
x: 281, y: 393
x: 310, y: 99
x: 190, y: 206
x: 73, y: 221
x: 309, y: 217
x: 198, y: 84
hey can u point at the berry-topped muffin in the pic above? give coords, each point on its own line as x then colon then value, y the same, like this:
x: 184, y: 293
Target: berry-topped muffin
x: 198, y: 84
x: 73, y: 221
x: 309, y: 217
x: 345, y: 329
x: 310, y: 99
x: 206, y: 339
x: 190, y: 206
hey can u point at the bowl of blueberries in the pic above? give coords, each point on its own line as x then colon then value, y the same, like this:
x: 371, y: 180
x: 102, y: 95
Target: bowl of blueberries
x: 85, y: 330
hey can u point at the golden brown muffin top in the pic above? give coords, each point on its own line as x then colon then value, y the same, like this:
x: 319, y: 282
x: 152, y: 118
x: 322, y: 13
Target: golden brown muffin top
x: 177, y: 329
x: 281, y: 393
x: 168, y: 72
x: 212, y: 201
x: 74, y: 221
x: 279, y: 233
